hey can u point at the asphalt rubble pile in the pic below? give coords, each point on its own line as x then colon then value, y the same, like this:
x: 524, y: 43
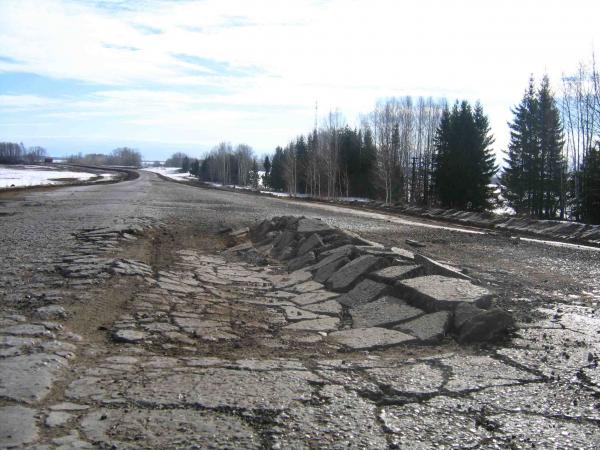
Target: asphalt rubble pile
x: 388, y: 296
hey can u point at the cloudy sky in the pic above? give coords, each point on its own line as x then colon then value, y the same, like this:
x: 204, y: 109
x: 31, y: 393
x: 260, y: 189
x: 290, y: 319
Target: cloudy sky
x: 165, y: 76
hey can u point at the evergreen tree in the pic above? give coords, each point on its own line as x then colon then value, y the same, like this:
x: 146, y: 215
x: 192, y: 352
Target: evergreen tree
x: 253, y: 175
x: 185, y: 164
x: 301, y: 163
x: 205, y: 169
x: 278, y: 170
x: 552, y: 165
x: 590, y: 198
x: 518, y: 174
x: 535, y: 175
x: 267, y: 176
x: 195, y: 168
x: 464, y: 161
x: 368, y: 160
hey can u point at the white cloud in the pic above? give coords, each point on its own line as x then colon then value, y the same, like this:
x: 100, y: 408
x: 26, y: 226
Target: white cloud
x: 343, y: 54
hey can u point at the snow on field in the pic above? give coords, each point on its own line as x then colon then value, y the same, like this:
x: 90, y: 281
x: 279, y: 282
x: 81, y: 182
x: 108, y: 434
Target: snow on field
x: 171, y: 172
x: 19, y: 176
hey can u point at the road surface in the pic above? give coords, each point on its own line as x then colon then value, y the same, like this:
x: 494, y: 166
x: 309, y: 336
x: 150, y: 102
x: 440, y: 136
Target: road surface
x: 123, y: 323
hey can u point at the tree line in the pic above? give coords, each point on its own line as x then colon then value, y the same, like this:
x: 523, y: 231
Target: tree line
x: 13, y: 153
x: 407, y: 150
x: 123, y: 156
x: 422, y: 151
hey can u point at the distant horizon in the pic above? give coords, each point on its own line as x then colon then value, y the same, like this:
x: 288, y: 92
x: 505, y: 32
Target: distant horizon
x: 166, y: 76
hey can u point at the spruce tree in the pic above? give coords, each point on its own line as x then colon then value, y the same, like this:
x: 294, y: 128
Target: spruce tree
x: 278, y: 170
x: 552, y: 165
x: 484, y: 161
x: 464, y: 161
x: 267, y: 176
x: 590, y: 202
x: 535, y: 175
x: 522, y: 148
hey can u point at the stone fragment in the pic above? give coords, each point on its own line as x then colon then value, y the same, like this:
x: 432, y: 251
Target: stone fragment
x: 129, y: 336
x: 404, y: 254
x: 57, y: 419
x: 67, y: 406
x: 301, y: 261
x: 414, y: 243
x: 307, y: 286
x: 71, y: 442
x: 282, y: 241
x: 17, y: 426
x: 428, y: 328
x: 287, y: 253
x: 287, y: 280
x: 259, y: 232
x: 432, y: 267
x: 348, y: 275
x: 482, y: 326
x: 27, y: 330
x: 294, y: 314
x: 311, y: 226
x: 323, y: 324
x: 436, y: 292
x: 313, y: 297
x: 29, y: 378
x: 243, y: 247
x: 410, y: 379
x: 366, y: 291
x: 383, y: 312
x: 396, y: 273
x: 329, y: 307
x: 369, y: 338
x: 348, y: 250
x: 310, y: 243
x: 328, y: 270
x: 51, y: 312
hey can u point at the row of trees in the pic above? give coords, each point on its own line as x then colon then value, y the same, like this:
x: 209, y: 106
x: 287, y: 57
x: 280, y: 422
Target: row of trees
x: 229, y: 166
x: 390, y: 156
x: 330, y: 162
x: 123, y: 156
x: 13, y: 153
x: 407, y: 150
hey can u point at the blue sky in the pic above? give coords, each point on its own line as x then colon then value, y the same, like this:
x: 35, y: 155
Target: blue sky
x: 167, y: 76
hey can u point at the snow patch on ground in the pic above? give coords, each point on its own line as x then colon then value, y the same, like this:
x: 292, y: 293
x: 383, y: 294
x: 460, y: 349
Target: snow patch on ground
x: 171, y: 172
x: 20, y: 176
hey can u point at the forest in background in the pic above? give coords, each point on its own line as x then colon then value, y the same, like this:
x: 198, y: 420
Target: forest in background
x: 421, y: 151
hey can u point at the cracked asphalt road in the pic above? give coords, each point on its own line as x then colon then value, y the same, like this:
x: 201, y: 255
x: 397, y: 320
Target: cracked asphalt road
x: 124, y: 322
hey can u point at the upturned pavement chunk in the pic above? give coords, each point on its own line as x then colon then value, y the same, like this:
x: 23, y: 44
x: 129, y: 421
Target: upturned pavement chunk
x: 311, y: 242
x: 432, y: 267
x: 396, y: 273
x: 301, y: 261
x: 428, y: 328
x: 385, y: 311
x: 436, y: 293
x: 348, y: 275
x: 326, y: 271
x: 477, y: 325
x: 369, y: 338
x: 310, y: 226
x: 364, y: 292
